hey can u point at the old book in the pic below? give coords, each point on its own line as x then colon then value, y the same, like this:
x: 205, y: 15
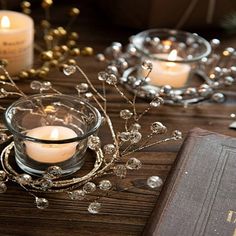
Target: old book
x: 199, y: 197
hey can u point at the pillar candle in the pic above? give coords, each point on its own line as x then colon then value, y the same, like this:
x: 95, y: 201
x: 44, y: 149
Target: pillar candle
x: 16, y: 40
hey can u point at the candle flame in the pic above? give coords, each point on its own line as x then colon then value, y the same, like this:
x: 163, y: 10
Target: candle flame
x: 173, y: 55
x: 54, y: 134
x: 5, y: 22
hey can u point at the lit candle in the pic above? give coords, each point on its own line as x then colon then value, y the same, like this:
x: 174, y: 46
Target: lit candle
x: 16, y: 40
x: 169, y: 73
x: 51, y: 153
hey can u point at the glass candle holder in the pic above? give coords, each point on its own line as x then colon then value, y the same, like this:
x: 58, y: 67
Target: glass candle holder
x: 174, y: 55
x: 51, y: 130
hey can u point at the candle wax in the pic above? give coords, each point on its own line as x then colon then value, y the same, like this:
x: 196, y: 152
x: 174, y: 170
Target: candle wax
x: 169, y: 73
x: 51, y: 153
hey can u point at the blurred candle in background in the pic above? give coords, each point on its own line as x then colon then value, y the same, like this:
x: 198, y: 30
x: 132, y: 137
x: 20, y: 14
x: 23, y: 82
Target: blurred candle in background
x: 16, y: 40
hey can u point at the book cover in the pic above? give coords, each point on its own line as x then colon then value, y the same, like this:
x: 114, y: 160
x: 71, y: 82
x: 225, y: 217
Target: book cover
x: 199, y: 197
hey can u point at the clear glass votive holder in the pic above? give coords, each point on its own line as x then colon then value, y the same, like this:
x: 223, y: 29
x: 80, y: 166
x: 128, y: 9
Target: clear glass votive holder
x: 51, y: 130
x: 174, y: 55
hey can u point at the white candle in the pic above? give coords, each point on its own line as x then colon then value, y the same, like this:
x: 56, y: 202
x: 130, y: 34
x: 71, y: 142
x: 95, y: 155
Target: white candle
x: 51, y: 153
x: 169, y: 73
x: 16, y: 40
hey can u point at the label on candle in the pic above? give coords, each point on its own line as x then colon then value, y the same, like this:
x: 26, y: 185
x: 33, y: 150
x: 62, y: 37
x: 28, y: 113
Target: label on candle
x: 16, y: 40
x: 51, y: 153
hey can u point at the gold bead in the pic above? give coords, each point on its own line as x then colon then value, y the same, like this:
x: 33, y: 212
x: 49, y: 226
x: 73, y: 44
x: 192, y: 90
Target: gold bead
x: 24, y: 75
x: 74, y: 36
x: 74, y: 11
x: 26, y: 11
x: 75, y: 52
x: 62, y: 31
x: 62, y: 66
x: 46, y: 3
x: 71, y: 43
x: 87, y: 51
x: 25, y: 4
x: 41, y: 74
x: 48, y: 38
x: 53, y: 63
x: 71, y: 62
x: 3, y: 62
x: 3, y: 77
x: 56, y: 48
x: 55, y: 32
x: 57, y: 55
x: 64, y: 48
x: 45, y: 68
x: 32, y: 72
x: 45, y: 24
x: 47, y: 55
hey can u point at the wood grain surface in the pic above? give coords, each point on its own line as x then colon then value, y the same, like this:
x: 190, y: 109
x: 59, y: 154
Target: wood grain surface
x: 125, y: 213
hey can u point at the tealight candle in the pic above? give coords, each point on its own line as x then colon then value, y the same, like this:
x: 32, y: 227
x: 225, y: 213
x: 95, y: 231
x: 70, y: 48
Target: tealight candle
x: 16, y: 40
x: 169, y: 73
x: 51, y: 153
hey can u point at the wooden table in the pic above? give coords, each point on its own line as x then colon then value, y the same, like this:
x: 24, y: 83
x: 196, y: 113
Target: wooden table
x: 124, y: 213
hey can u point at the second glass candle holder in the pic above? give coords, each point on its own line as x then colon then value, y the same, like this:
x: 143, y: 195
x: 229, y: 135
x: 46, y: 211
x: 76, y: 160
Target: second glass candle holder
x: 174, y: 55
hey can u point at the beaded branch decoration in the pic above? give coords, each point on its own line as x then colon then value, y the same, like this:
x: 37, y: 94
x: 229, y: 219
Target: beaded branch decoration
x: 217, y: 71
x: 109, y: 157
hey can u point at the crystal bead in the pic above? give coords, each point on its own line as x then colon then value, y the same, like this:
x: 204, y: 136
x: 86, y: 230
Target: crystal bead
x: 102, y: 76
x: 69, y: 70
x: 177, y: 134
x: 191, y: 91
x: 166, y: 89
x: 156, y: 102
x: 41, y: 203
x: 112, y: 70
x: 24, y: 179
x: 124, y: 136
x: 3, y: 187
x: 3, y: 137
x: 126, y: 114
x: 154, y: 182
x: 53, y: 172
x: 122, y: 63
x: 3, y: 93
x: 215, y: 43
x: 120, y: 171
x: 89, y: 187
x: 77, y: 195
x: 36, y: 85
x: 88, y: 95
x: 105, y: 185
x: 147, y: 65
x: 117, y: 44
x: 46, y: 85
x: 82, y: 87
x: 135, y: 137
x: 111, y: 79
x: 109, y: 149
x: 100, y: 57
x: 3, y: 175
x: 135, y: 127
x: 133, y: 164
x: 94, y: 207
x: 46, y: 184
x: 228, y: 80
x: 158, y: 128
x: 94, y: 142
x: 218, y: 97
x: 131, y: 50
